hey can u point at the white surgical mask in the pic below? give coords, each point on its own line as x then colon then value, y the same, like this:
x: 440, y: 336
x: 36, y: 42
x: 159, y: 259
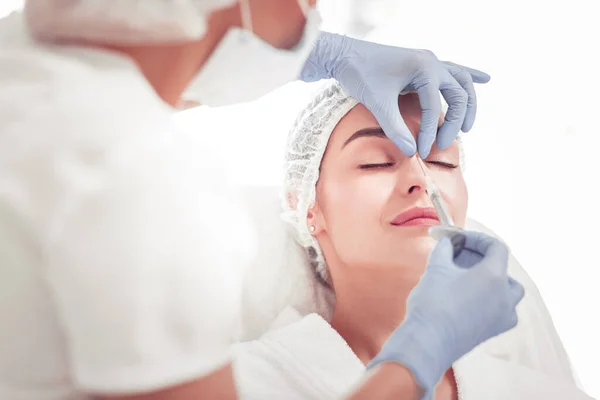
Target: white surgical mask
x: 244, y: 67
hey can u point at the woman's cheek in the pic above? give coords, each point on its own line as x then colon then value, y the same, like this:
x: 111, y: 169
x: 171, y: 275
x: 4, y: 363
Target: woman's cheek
x: 362, y: 198
x: 462, y: 202
x: 377, y: 187
x: 349, y: 194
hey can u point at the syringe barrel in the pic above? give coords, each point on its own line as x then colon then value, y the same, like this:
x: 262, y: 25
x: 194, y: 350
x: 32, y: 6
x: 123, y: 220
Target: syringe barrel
x: 440, y: 208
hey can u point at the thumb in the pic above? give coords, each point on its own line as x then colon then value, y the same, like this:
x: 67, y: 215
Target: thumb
x: 495, y: 256
x: 431, y: 108
x: 389, y: 118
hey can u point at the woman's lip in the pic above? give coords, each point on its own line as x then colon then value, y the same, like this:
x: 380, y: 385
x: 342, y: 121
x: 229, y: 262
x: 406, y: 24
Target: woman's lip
x: 421, y: 222
x: 417, y: 216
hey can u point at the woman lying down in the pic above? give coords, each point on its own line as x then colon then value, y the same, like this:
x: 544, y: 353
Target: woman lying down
x: 359, y: 207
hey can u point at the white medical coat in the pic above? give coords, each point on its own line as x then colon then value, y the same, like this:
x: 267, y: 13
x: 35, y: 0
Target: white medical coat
x: 304, y: 358
x: 118, y: 255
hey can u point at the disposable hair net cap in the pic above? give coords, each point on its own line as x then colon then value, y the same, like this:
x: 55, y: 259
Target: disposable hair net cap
x: 120, y: 21
x: 306, y: 146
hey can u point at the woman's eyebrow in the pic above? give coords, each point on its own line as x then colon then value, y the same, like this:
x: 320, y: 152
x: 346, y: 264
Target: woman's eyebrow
x: 366, y: 132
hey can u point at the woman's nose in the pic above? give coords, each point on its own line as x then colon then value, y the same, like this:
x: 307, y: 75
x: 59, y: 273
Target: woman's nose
x: 411, y: 179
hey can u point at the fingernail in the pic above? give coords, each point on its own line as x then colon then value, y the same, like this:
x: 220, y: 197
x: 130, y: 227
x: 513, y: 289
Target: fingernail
x: 408, y: 149
x: 468, y: 124
x: 444, y: 139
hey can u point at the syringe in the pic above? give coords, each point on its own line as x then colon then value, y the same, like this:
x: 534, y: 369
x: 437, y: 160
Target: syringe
x: 457, y: 238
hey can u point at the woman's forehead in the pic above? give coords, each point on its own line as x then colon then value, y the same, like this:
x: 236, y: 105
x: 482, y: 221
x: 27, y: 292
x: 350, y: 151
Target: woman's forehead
x: 360, y: 117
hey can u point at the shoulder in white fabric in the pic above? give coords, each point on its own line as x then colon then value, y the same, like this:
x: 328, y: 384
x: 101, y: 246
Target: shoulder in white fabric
x: 485, y: 377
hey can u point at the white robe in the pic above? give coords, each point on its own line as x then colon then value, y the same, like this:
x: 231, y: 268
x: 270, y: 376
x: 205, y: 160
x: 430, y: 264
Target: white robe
x: 304, y: 358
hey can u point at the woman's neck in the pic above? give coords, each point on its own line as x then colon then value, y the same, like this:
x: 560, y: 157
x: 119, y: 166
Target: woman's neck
x: 370, y: 304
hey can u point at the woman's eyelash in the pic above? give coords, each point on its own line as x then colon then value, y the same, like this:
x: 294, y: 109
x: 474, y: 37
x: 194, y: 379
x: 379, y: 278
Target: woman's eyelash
x: 443, y: 164
x: 376, y: 166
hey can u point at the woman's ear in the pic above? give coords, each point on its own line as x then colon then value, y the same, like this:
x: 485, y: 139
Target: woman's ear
x: 314, y: 220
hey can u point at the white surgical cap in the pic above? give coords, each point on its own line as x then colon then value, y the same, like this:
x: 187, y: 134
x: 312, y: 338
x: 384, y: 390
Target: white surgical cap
x: 306, y: 146
x: 307, y: 142
x: 120, y: 21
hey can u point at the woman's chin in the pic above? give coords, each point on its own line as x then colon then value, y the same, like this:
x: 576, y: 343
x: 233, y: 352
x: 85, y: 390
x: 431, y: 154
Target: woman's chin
x: 416, y: 235
x: 412, y: 251
x: 421, y: 246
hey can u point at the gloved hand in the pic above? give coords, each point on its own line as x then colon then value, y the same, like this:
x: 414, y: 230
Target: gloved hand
x: 454, y: 308
x: 376, y: 75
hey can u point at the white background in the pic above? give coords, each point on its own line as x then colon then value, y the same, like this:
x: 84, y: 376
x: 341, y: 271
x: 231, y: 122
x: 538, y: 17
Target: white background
x: 6, y: 6
x: 533, y: 164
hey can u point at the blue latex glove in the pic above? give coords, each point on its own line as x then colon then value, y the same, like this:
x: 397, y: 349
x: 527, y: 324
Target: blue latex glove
x: 376, y: 75
x: 458, y: 304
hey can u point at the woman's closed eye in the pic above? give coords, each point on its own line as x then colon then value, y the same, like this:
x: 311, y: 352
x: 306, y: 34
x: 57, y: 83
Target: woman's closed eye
x: 441, y: 164
x: 376, y: 165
